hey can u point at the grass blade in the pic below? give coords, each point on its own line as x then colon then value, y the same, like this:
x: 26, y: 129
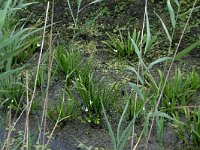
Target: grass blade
x: 158, y: 61
x: 177, y: 3
x: 137, y: 90
x: 120, y: 121
x: 109, y: 128
x: 137, y: 51
x: 165, y: 28
x: 137, y: 74
x: 3, y: 13
x: 95, y: 1
x: 10, y: 72
x: 171, y: 12
x: 126, y: 133
x: 71, y: 12
x: 148, y: 38
x: 162, y: 114
x: 79, y: 4
x: 187, y: 50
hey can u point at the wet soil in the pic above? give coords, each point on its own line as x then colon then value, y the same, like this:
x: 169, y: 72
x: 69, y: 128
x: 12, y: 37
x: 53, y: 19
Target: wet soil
x: 122, y: 15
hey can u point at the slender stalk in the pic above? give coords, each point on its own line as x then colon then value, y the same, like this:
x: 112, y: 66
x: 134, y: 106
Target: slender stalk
x: 70, y: 9
x: 40, y: 56
x: 27, y: 112
x: 9, y: 131
x: 138, y: 141
x: 49, y: 78
x: 39, y: 60
x: 74, y: 19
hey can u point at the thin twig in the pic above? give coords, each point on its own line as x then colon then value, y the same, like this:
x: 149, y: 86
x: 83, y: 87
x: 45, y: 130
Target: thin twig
x: 27, y: 112
x: 9, y: 130
x: 40, y: 56
x: 49, y: 78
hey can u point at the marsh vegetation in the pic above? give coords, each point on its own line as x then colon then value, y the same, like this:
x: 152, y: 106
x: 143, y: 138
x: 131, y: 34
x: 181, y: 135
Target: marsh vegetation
x: 96, y: 74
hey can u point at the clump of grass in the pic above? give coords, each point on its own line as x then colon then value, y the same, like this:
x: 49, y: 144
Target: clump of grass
x: 12, y: 93
x: 180, y: 90
x: 42, y: 74
x: 119, y: 140
x: 41, y: 77
x: 135, y: 105
x: 123, y: 46
x: 91, y: 97
x: 64, y: 109
x: 68, y: 60
x: 189, y: 130
x: 85, y: 69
